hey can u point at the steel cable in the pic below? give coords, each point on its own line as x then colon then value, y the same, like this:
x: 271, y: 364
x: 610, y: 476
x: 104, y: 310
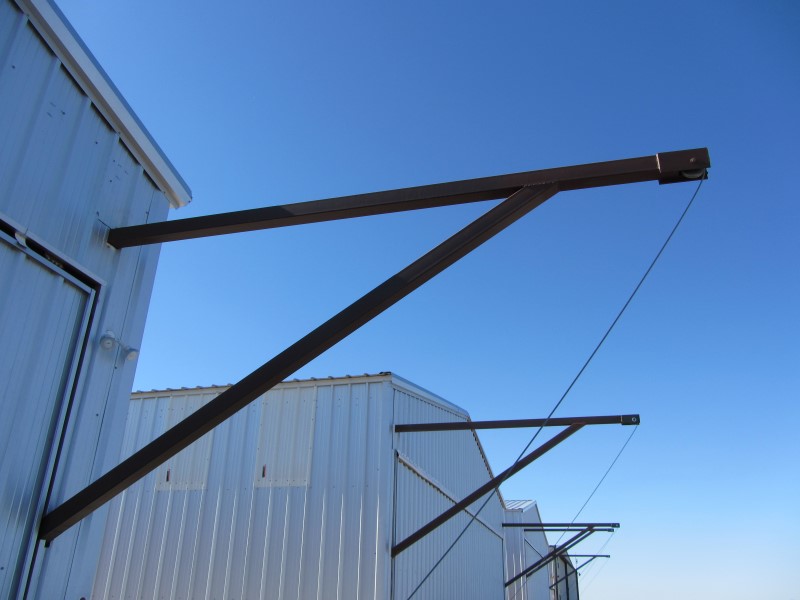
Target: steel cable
x: 569, y: 387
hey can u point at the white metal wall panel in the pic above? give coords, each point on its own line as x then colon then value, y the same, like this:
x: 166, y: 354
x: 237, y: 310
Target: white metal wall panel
x: 563, y: 572
x: 522, y: 549
x: 453, y: 458
x: 454, y: 461
x: 285, y: 438
x: 43, y: 319
x: 187, y: 470
x: 65, y: 178
x: 236, y: 538
x: 472, y: 569
x: 515, y: 557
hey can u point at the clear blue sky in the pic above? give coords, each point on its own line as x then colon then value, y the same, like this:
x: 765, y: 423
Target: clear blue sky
x: 259, y: 103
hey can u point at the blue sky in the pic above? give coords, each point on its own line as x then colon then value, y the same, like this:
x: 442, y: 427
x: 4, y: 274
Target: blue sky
x: 266, y: 103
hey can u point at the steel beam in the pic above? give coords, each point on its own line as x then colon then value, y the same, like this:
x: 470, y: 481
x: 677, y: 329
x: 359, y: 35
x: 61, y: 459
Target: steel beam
x: 665, y: 167
x: 511, y: 423
x: 290, y: 360
x: 568, y: 530
x: 544, y: 526
x: 487, y: 487
x: 576, y: 569
x: 554, y: 553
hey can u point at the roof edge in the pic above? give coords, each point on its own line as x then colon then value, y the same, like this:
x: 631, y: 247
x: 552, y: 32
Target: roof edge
x: 421, y: 391
x: 64, y: 41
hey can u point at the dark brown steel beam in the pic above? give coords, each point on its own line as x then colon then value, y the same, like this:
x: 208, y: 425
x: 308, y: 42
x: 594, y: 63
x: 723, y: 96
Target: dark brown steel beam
x: 290, y: 360
x: 575, y: 569
x: 568, y: 529
x: 665, y: 167
x: 573, y: 525
x: 506, y: 424
x: 554, y: 553
x: 487, y: 487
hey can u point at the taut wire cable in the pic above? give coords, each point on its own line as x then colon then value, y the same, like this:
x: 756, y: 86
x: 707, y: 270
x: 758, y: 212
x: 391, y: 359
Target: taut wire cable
x: 571, y: 385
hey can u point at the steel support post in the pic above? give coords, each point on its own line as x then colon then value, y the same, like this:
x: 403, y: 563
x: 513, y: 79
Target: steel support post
x: 293, y: 358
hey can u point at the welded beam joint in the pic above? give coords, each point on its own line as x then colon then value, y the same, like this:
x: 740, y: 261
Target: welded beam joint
x: 487, y: 487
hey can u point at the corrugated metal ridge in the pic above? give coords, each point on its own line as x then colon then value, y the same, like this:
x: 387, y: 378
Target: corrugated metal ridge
x: 63, y: 40
x: 419, y: 472
x: 521, y: 505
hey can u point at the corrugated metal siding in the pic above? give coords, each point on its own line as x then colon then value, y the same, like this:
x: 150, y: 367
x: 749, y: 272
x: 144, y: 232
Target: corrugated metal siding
x: 567, y: 588
x: 238, y: 539
x: 43, y: 317
x: 473, y: 569
x: 515, y: 556
x: 454, y: 461
x: 64, y: 174
x: 522, y: 549
x: 65, y: 178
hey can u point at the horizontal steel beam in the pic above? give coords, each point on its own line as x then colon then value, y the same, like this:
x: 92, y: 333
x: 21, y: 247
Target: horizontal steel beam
x: 665, y: 167
x: 569, y: 529
x: 487, y: 487
x: 290, y: 360
x: 573, y: 525
x: 511, y: 423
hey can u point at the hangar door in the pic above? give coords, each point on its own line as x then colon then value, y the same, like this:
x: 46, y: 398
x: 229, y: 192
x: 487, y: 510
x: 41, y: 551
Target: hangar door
x: 44, y: 319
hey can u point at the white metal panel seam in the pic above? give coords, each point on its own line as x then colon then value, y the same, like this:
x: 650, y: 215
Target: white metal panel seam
x: 404, y: 460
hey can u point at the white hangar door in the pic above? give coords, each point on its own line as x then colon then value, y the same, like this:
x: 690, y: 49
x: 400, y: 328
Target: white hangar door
x: 44, y: 317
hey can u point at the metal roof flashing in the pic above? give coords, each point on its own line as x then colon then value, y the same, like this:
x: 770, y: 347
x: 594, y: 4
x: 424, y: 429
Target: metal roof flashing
x: 63, y: 40
x: 421, y: 391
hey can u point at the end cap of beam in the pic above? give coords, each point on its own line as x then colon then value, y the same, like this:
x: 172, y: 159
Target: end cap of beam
x: 684, y: 165
x: 630, y: 420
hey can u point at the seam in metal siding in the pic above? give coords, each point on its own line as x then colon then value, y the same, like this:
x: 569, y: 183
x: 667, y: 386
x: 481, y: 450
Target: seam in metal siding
x: 236, y: 539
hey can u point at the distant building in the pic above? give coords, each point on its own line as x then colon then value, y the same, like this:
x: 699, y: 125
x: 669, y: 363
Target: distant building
x: 74, y: 162
x: 565, y: 579
x: 525, y: 548
x: 302, y: 495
